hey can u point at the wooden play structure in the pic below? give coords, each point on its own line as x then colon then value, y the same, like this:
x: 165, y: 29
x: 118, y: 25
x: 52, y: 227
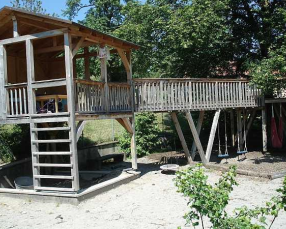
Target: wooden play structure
x: 39, y: 86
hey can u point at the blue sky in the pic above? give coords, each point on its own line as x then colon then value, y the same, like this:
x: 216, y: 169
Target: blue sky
x: 52, y: 6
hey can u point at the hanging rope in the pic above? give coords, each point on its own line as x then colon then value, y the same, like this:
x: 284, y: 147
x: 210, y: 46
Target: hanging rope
x: 244, y: 130
x: 220, y: 154
x: 225, y: 134
x: 244, y: 151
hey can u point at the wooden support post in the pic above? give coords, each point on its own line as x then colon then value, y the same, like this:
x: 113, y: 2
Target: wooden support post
x: 32, y: 108
x: 181, y: 136
x: 3, y: 81
x: 239, y: 129
x: 86, y: 64
x: 15, y: 27
x: 212, y: 135
x: 264, y: 130
x: 103, y: 66
x: 249, y: 124
x: 199, y: 127
x: 79, y: 129
x: 133, y: 145
x: 232, y: 128
x: 71, y: 108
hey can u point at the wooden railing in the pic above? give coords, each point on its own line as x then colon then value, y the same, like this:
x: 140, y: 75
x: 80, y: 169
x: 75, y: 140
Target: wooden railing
x: 89, y: 96
x: 17, y: 100
x: 119, y: 97
x: 194, y: 94
x: 95, y: 97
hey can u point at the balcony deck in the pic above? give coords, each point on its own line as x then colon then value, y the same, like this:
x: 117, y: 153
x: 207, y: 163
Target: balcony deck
x: 95, y: 100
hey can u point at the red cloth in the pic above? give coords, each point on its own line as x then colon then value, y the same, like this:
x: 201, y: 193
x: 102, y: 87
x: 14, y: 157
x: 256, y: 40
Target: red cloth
x: 277, y: 136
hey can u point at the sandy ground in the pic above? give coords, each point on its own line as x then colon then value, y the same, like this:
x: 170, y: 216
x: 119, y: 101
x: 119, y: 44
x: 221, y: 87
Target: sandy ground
x: 256, y: 161
x: 148, y: 202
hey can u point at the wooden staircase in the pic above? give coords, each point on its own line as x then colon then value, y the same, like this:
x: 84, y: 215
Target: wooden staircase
x: 53, y: 176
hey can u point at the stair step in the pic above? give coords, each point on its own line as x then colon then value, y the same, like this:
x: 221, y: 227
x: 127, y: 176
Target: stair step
x: 52, y: 165
x: 48, y: 119
x: 52, y: 153
x: 42, y: 115
x: 53, y: 177
x: 54, y: 189
x: 52, y: 141
x: 51, y: 129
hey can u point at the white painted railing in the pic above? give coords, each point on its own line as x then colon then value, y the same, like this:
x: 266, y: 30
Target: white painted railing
x: 194, y: 94
x: 16, y: 100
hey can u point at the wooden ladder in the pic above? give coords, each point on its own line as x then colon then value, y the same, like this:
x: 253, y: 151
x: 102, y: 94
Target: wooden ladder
x: 37, y: 155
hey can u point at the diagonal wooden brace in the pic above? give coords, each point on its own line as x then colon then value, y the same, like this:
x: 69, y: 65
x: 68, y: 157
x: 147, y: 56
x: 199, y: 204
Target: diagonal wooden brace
x: 212, y: 135
x: 199, y: 127
x: 181, y: 136
x: 196, y: 137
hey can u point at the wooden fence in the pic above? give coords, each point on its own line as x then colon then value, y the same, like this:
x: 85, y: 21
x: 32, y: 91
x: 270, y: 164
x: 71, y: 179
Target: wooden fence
x: 194, y: 94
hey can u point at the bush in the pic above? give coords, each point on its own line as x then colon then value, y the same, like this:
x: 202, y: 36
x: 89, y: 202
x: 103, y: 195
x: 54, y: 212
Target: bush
x: 210, y: 201
x: 14, y: 142
x: 147, y: 135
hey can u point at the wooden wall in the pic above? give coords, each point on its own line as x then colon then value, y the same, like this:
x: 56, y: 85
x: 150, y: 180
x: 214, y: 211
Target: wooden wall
x: 44, y: 70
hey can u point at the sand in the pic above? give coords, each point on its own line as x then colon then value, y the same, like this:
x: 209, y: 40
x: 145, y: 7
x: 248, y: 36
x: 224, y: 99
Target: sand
x: 148, y: 202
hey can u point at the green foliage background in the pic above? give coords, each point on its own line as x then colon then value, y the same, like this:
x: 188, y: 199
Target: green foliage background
x: 147, y: 135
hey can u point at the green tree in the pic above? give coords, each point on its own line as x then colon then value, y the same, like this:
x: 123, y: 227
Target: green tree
x: 198, y: 38
x: 147, y: 131
x: 34, y: 6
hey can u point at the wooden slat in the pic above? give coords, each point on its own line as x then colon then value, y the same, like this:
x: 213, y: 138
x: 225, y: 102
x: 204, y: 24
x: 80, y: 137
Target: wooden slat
x: 52, y: 153
x: 51, y: 129
x: 52, y: 165
x: 53, y: 177
x: 54, y: 189
x: 52, y: 141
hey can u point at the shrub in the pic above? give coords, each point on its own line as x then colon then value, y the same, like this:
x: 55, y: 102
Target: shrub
x: 210, y: 201
x: 147, y: 132
x: 14, y: 142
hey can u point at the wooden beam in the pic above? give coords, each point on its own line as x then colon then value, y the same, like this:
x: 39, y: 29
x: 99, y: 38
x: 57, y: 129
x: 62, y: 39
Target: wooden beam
x: 32, y: 107
x: 232, y: 128
x: 78, y: 46
x: 133, y: 145
x: 3, y: 82
x: 124, y: 59
x: 264, y: 130
x: 49, y: 49
x: 196, y: 137
x: 127, y: 125
x: 15, y: 27
x: 249, y: 123
x: 212, y: 135
x: 41, y: 35
x: 199, y: 127
x: 71, y: 108
x: 239, y: 129
x: 103, y: 68
x: 79, y: 129
x: 181, y: 136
